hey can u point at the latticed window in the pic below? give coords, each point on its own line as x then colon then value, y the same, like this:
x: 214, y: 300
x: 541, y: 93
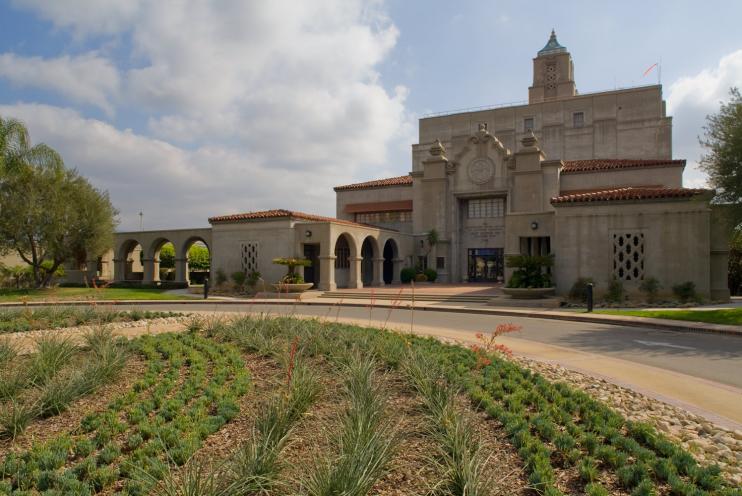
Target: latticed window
x: 249, y: 257
x: 486, y: 207
x: 628, y: 256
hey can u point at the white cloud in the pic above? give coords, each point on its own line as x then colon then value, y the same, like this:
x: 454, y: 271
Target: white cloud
x: 247, y: 104
x: 691, y: 99
x: 87, y: 79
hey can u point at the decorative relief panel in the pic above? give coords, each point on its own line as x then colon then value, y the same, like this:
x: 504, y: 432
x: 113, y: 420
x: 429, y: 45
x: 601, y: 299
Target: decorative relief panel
x: 481, y: 170
x: 628, y: 256
x: 249, y: 257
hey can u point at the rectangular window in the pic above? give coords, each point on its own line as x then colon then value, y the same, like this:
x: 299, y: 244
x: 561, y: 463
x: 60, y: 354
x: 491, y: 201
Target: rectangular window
x: 383, y: 217
x: 486, y: 208
x: 578, y: 119
x: 440, y: 263
x: 528, y: 124
x: 422, y: 262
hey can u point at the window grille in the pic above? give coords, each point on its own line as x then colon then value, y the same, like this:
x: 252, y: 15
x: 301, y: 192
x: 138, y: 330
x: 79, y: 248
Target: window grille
x: 628, y: 256
x: 342, y: 254
x: 381, y: 217
x: 486, y: 207
x: 249, y: 257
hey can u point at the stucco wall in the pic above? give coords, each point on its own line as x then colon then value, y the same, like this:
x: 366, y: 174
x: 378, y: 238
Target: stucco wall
x: 668, y: 177
x: 676, y: 242
x: 371, y: 195
x: 275, y: 239
x: 627, y: 123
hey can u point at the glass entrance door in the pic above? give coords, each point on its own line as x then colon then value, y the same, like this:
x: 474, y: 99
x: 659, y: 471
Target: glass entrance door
x: 486, y: 264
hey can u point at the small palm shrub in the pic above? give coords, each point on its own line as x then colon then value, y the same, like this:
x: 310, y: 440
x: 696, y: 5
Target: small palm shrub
x: 686, y: 292
x: 239, y: 279
x: 616, y: 292
x: 530, y: 271
x: 407, y: 275
x: 650, y: 286
x: 421, y: 277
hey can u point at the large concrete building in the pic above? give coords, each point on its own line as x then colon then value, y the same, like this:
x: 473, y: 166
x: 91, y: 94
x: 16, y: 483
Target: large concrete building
x: 589, y: 178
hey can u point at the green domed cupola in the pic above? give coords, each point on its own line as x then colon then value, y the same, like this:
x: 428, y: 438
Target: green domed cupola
x: 552, y: 46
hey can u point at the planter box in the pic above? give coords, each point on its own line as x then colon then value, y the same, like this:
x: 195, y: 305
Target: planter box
x: 528, y: 293
x: 292, y: 288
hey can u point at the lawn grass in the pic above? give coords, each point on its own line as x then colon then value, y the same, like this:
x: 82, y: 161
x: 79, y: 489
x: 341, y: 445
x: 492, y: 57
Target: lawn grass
x: 55, y: 294
x: 727, y: 316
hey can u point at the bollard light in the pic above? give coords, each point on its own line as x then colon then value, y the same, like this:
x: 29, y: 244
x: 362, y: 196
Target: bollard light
x: 206, y: 288
x: 589, y: 291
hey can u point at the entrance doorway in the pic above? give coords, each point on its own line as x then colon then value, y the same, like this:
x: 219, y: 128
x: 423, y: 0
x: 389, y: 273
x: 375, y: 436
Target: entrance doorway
x: 486, y: 264
x: 311, y: 273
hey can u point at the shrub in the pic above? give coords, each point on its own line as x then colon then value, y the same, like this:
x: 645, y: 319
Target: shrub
x: 253, y: 278
x: 578, y: 292
x: 616, y: 292
x: 686, y: 292
x: 421, y: 278
x: 15, y: 416
x: 650, y: 286
x: 431, y: 274
x: 406, y: 275
x: 595, y: 489
x: 529, y: 271
x: 239, y: 278
x: 221, y: 277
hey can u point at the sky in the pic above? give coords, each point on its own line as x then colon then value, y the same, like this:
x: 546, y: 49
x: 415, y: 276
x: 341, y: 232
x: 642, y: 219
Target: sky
x: 185, y: 109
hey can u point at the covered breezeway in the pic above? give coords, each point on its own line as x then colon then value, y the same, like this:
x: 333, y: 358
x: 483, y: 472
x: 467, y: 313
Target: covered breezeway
x: 137, y: 254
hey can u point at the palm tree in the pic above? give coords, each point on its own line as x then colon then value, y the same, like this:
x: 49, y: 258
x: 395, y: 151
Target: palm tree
x: 16, y: 151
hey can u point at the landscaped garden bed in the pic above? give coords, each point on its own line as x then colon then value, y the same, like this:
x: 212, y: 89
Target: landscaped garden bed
x: 285, y: 406
x: 57, y: 317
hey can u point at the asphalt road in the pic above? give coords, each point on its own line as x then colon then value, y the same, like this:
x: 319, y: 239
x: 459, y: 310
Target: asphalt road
x: 713, y: 357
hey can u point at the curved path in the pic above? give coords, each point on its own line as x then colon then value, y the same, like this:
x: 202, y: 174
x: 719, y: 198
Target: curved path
x: 701, y: 372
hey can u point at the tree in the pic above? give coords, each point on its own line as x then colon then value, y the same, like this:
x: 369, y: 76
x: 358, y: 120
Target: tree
x: 723, y: 162
x: 49, y: 214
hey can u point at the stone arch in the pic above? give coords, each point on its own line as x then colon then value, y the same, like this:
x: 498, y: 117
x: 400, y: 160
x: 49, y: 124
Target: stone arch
x: 369, y: 256
x: 182, y: 261
x: 345, y: 252
x: 130, y: 255
x: 153, y: 257
x: 391, y: 264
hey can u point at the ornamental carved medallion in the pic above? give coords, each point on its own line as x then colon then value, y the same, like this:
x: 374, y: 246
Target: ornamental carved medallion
x: 481, y: 170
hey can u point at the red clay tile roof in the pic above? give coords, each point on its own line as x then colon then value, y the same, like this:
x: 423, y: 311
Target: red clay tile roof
x: 378, y: 183
x: 280, y: 214
x: 628, y: 193
x: 597, y: 165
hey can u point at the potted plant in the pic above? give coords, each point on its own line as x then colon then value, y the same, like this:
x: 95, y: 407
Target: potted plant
x: 292, y: 282
x: 530, y: 280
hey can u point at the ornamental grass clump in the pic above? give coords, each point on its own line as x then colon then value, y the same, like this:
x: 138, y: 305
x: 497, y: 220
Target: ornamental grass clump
x: 255, y: 466
x: 460, y: 456
x: 52, y: 353
x: 365, y: 441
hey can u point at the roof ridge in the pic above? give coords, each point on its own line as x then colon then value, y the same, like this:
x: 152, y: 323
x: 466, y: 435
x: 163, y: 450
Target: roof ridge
x: 279, y: 213
x: 403, y: 180
x: 629, y: 193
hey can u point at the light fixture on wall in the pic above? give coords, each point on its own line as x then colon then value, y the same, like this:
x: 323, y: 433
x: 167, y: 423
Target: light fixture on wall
x: 534, y: 225
x: 308, y: 233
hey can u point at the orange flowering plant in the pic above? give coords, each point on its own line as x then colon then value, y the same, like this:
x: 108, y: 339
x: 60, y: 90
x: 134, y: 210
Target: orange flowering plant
x: 488, y: 345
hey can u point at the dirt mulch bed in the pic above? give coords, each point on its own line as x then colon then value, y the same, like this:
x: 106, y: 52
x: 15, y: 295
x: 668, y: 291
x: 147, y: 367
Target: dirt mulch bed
x: 43, y: 430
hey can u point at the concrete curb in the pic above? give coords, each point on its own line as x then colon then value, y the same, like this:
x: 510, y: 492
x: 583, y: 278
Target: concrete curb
x: 661, y: 324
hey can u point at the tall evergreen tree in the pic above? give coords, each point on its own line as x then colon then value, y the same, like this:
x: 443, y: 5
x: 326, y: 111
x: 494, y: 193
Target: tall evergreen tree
x: 723, y: 162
